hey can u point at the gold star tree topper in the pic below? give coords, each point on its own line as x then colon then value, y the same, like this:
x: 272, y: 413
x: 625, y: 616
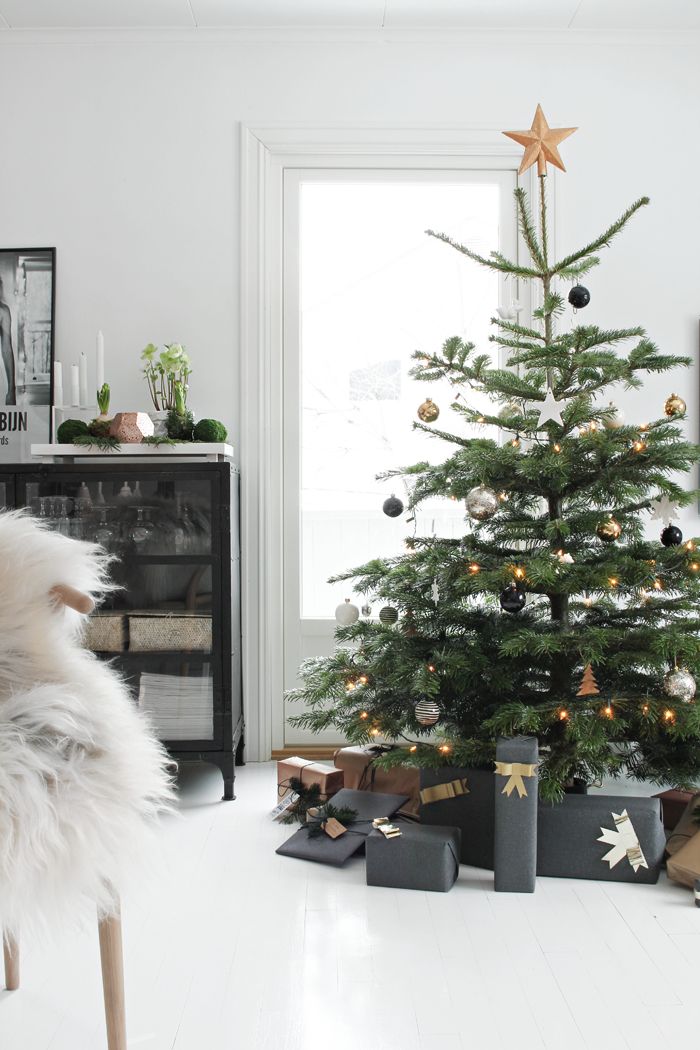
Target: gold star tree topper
x: 540, y: 143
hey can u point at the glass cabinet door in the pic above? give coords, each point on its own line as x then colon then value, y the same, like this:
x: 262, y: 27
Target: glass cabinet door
x: 161, y: 624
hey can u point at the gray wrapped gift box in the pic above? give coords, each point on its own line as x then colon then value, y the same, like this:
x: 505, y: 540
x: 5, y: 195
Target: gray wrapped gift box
x: 420, y: 858
x: 515, y: 852
x: 614, y: 838
x: 472, y: 811
x: 325, y: 850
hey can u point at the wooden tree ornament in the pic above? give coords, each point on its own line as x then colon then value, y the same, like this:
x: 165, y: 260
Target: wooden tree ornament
x: 589, y: 686
x: 540, y: 143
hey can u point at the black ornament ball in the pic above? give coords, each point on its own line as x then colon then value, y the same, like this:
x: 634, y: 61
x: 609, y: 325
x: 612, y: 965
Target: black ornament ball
x: 671, y: 536
x: 579, y: 297
x: 512, y: 599
x: 392, y: 506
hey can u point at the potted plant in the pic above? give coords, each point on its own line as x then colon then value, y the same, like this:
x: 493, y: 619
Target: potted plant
x: 166, y: 373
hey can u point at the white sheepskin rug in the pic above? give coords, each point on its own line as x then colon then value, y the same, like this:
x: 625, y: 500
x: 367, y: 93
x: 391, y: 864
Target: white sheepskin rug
x: 82, y: 777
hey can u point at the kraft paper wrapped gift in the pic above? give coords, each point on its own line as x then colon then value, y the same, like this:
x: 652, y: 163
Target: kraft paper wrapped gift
x: 612, y: 838
x: 515, y: 850
x: 684, y: 866
x: 420, y: 858
x: 673, y: 805
x: 686, y: 827
x: 328, y: 779
x: 462, y: 798
x: 357, y: 764
x: 325, y: 850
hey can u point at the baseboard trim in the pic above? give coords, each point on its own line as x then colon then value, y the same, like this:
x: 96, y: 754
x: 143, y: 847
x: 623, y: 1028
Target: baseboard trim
x: 306, y: 751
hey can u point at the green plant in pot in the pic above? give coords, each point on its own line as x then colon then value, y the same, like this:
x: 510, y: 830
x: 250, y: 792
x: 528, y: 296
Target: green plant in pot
x: 180, y: 421
x: 166, y: 372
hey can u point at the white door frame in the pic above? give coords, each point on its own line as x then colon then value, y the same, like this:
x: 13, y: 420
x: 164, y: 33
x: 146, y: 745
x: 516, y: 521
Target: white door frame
x: 265, y: 153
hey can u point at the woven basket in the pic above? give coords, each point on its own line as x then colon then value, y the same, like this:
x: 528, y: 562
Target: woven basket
x: 170, y: 631
x: 106, y: 633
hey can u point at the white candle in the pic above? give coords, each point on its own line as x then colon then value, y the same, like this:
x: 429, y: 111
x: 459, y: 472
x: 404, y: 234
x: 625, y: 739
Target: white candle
x: 100, y: 360
x: 57, y: 383
x: 83, y: 381
x: 74, y: 385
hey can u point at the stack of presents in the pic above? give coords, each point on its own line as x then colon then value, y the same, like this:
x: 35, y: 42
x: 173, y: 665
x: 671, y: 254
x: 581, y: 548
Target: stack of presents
x: 416, y: 827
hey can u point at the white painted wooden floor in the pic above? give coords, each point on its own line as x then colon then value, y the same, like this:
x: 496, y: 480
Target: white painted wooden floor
x: 242, y: 949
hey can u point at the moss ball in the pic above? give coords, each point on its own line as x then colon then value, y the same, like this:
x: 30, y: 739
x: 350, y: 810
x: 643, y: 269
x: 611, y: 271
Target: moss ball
x: 210, y: 430
x: 70, y: 429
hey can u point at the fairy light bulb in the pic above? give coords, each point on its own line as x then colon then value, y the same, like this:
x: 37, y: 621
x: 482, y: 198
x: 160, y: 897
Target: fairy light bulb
x: 519, y: 573
x: 503, y: 497
x: 431, y: 668
x: 588, y: 601
x: 643, y: 426
x: 474, y: 568
x: 556, y: 447
x: 645, y: 709
x: 694, y: 565
x: 639, y: 445
x: 444, y: 748
x: 349, y: 685
x: 363, y: 679
x: 481, y: 419
x: 516, y: 442
x: 608, y: 711
x: 690, y: 546
x: 613, y: 581
x: 669, y: 715
x: 563, y: 715
x: 658, y: 585
x: 593, y: 426
x: 374, y: 731
x: 364, y: 715
x: 413, y: 748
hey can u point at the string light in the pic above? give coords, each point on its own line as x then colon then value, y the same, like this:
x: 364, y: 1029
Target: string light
x: 413, y: 747
x: 503, y: 496
x: 588, y: 601
x: 363, y: 679
x: 364, y: 715
x: 694, y: 565
x: 563, y: 715
x: 643, y: 426
x: 608, y: 711
x: 431, y: 668
x: 658, y: 585
x: 445, y: 748
x: 645, y: 709
x: 374, y: 731
x: 613, y: 581
x: 474, y: 568
x: 516, y: 442
x: 452, y: 496
x: 556, y: 447
x: 669, y: 716
x: 639, y: 445
x: 593, y: 426
x: 481, y: 419
x: 519, y: 573
x: 690, y: 546
x: 349, y: 685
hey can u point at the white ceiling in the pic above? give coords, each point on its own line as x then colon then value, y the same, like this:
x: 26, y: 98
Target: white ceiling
x: 351, y: 14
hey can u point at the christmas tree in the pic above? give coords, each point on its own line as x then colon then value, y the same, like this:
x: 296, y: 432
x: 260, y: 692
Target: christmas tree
x: 552, y: 615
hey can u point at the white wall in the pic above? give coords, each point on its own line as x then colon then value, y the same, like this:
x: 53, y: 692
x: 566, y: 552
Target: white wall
x: 123, y: 155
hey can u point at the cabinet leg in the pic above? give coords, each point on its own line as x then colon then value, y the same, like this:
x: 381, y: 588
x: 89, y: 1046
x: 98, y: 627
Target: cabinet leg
x: 225, y: 761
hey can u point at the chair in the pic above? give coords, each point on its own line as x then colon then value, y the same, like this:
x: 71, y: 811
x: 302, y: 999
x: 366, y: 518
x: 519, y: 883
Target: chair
x: 82, y: 777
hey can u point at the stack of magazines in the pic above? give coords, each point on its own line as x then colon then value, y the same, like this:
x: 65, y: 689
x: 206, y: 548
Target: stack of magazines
x: 180, y: 708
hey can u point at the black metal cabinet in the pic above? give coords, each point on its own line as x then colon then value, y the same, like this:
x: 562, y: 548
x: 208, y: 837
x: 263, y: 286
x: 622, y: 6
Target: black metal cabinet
x: 173, y: 625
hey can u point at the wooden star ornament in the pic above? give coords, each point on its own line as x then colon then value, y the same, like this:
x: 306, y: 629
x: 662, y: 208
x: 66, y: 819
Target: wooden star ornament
x: 540, y: 144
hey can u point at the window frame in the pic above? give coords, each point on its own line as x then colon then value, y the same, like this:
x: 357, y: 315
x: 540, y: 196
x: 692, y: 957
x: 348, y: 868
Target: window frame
x: 266, y: 152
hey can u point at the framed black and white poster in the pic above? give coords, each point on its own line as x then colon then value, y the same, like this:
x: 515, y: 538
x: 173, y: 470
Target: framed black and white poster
x: 27, y: 308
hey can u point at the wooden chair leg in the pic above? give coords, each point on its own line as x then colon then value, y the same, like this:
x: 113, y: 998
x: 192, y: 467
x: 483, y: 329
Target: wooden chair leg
x: 11, y: 952
x: 111, y: 955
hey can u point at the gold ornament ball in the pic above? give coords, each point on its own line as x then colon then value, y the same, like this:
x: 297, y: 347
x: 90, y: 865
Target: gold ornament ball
x: 609, y: 531
x: 674, y: 406
x: 428, y: 411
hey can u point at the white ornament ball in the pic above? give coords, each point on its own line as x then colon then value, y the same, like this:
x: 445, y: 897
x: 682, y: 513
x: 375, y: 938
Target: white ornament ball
x: 347, y: 613
x: 482, y: 503
x: 427, y: 712
x: 615, y: 419
x: 680, y: 685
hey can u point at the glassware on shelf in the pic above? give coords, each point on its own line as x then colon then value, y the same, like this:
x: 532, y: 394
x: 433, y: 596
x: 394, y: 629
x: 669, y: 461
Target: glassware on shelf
x: 61, y: 509
x: 80, y: 522
x: 125, y: 493
x: 142, y: 529
x: 106, y: 532
x: 100, y: 500
x: 84, y: 493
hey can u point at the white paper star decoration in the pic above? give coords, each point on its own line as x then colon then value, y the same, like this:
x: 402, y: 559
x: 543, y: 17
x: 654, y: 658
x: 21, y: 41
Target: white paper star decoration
x: 550, y: 409
x: 510, y: 313
x: 624, y: 843
x: 435, y: 592
x: 663, y: 509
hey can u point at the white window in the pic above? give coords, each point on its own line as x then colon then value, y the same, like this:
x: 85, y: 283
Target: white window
x: 364, y: 287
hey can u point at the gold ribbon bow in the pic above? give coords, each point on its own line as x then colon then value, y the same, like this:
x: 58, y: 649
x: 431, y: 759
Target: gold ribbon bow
x: 515, y: 771
x: 440, y: 792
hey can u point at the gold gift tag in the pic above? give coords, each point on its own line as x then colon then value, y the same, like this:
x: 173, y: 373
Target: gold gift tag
x: 334, y: 828
x: 378, y: 821
x: 390, y: 831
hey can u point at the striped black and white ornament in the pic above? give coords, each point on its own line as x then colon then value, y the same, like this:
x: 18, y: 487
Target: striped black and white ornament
x: 427, y: 712
x: 388, y: 615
